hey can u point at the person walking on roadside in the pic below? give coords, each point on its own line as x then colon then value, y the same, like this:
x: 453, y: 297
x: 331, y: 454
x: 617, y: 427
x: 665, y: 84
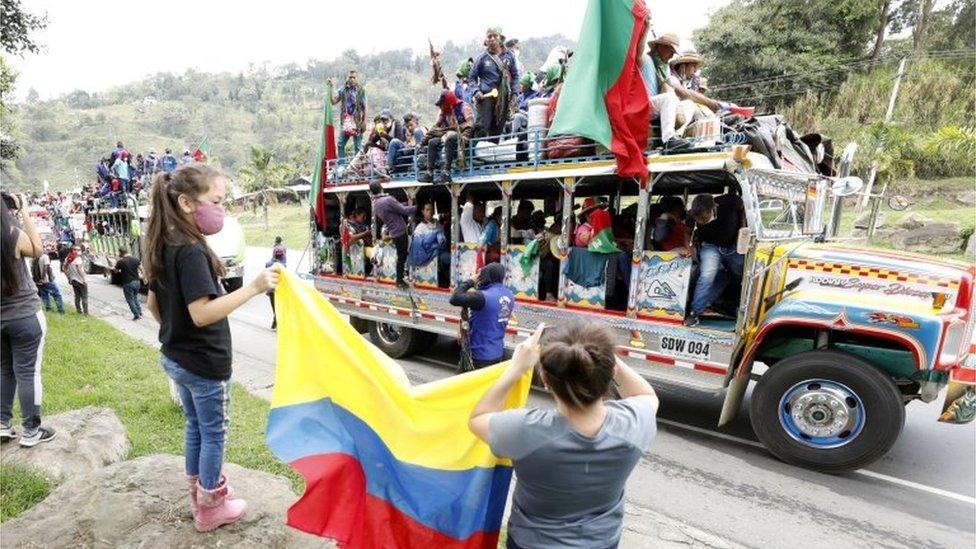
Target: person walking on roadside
x: 47, y: 287
x: 277, y: 256
x: 22, y: 328
x: 551, y: 447
x: 490, y: 305
x: 74, y: 269
x: 129, y: 270
x: 192, y: 309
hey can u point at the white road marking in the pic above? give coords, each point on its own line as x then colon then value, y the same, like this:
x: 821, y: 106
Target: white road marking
x: 868, y: 473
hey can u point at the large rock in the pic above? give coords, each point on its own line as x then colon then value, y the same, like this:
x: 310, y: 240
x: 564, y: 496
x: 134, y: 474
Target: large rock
x: 914, y: 220
x: 971, y: 247
x: 934, y: 238
x: 143, y: 503
x: 87, y: 439
x: 968, y: 198
x: 864, y: 220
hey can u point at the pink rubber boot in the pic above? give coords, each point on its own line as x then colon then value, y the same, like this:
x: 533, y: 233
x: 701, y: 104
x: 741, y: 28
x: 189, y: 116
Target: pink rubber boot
x: 215, y: 508
x: 191, y: 484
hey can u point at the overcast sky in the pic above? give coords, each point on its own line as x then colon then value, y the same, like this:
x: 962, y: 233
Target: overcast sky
x: 97, y: 44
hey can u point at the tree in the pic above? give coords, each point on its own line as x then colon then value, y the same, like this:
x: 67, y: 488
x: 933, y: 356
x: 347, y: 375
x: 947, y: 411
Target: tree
x: 757, y: 50
x: 16, y: 26
x: 262, y: 171
x: 884, y: 19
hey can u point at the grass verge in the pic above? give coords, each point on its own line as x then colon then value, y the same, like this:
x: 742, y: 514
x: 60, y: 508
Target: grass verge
x: 87, y: 362
x: 20, y: 489
x: 289, y: 221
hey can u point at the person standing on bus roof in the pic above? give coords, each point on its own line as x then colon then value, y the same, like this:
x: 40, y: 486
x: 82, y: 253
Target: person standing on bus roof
x: 392, y: 213
x: 491, y: 306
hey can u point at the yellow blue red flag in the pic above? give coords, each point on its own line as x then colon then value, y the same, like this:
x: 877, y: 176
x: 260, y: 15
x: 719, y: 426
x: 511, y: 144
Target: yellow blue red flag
x: 386, y: 464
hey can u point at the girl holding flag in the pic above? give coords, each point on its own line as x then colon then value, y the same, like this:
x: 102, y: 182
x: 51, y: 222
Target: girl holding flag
x: 189, y: 304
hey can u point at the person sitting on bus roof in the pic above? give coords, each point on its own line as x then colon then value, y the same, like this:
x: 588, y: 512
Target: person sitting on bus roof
x: 492, y: 75
x: 472, y: 220
x: 378, y: 142
x: 491, y: 304
x: 719, y: 262
x: 685, y: 68
x: 665, y: 90
x: 450, y: 132
x: 670, y: 232
x: 391, y: 212
x: 403, y: 146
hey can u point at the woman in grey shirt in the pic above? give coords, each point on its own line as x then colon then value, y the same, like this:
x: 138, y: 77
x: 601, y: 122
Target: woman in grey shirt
x: 571, y: 462
x: 22, y: 327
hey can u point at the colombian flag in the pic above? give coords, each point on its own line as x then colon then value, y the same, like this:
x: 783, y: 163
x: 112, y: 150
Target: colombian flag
x: 386, y: 464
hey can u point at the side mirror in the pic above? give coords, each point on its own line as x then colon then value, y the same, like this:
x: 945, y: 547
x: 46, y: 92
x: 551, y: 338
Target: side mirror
x: 744, y: 242
x: 846, y: 186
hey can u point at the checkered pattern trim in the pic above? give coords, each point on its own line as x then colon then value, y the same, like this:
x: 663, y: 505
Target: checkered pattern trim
x: 871, y: 272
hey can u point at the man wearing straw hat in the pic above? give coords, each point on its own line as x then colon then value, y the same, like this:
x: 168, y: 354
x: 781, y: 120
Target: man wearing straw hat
x: 665, y: 90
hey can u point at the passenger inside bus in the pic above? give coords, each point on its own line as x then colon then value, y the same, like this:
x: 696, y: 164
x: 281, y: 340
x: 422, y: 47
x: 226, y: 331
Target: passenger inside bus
x: 393, y: 214
x: 719, y: 263
x: 355, y: 228
x: 472, y: 220
x: 670, y: 232
x: 429, y: 242
x: 491, y: 236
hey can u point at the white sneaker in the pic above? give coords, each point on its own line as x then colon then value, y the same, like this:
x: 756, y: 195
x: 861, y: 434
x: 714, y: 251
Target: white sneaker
x: 7, y: 433
x: 41, y: 434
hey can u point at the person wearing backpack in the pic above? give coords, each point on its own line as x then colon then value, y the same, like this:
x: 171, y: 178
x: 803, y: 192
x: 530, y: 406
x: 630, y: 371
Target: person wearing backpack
x: 169, y: 163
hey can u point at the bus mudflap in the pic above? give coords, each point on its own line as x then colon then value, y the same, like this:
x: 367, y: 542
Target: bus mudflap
x: 960, y: 401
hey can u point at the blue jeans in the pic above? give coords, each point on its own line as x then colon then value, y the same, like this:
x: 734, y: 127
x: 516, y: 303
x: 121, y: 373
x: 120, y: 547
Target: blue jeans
x: 716, y: 266
x: 131, y: 292
x: 47, y: 290
x: 206, y: 403
x: 357, y: 141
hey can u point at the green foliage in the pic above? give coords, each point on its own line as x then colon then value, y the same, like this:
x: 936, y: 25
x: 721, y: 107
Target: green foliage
x: 755, y: 41
x: 16, y: 26
x: 952, y: 148
x: 20, y: 489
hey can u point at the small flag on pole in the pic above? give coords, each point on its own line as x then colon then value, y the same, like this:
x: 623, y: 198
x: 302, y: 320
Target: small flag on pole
x: 202, y: 152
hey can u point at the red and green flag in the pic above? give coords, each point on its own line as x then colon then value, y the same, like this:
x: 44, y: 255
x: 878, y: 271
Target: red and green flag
x: 327, y: 151
x: 604, y: 97
x: 202, y: 151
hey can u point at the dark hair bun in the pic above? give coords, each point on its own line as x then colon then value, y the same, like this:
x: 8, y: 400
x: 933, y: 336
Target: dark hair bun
x: 578, y: 362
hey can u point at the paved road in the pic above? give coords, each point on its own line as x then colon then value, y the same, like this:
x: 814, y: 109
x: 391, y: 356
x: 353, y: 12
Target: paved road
x: 701, y: 487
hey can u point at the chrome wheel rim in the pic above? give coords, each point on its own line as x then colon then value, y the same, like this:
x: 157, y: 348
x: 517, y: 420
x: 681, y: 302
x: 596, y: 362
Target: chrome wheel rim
x: 821, y: 414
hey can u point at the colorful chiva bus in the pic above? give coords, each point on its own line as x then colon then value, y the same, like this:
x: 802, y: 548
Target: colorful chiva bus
x: 838, y: 339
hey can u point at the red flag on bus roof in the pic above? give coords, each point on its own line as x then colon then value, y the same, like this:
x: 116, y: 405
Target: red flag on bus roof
x: 327, y: 151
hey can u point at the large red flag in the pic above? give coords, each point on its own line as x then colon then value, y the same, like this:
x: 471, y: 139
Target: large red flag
x: 327, y: 152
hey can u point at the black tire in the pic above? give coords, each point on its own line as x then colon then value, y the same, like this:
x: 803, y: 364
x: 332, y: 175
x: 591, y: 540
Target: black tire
x: 396, y: 341
x: 882, y: 417
x: 359, y: 324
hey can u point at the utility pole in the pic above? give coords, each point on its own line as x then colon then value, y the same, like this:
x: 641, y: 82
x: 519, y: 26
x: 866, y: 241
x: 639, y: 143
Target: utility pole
x: 891, y: 111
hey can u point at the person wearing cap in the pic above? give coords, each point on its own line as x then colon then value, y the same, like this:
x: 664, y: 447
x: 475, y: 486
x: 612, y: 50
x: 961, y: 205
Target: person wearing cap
x: 353, y: 113
x: 492, y: 76
x: 665, y: 90
x: 392, y: 214
x: 461, y: 87
x: 450, y: 132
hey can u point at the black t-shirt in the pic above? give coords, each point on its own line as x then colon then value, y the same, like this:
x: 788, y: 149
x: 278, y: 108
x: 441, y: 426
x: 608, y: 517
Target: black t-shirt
x: 205, y: 351
x: 724, y: 229
x: 128, y: 268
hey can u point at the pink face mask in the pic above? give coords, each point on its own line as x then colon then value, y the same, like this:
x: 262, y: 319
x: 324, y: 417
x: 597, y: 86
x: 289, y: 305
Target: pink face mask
x: 209, y: 218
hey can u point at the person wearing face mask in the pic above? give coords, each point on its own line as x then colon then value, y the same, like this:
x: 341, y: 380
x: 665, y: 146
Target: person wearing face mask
x: 191, y: 309
x: 490, y: 304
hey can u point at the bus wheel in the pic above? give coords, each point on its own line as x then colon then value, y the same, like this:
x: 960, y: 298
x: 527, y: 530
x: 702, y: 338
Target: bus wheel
x: 827, y: 410
x: 396, y: 341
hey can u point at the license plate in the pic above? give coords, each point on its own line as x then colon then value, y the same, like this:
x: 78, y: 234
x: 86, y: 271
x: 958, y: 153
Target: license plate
x: 680, y: 347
